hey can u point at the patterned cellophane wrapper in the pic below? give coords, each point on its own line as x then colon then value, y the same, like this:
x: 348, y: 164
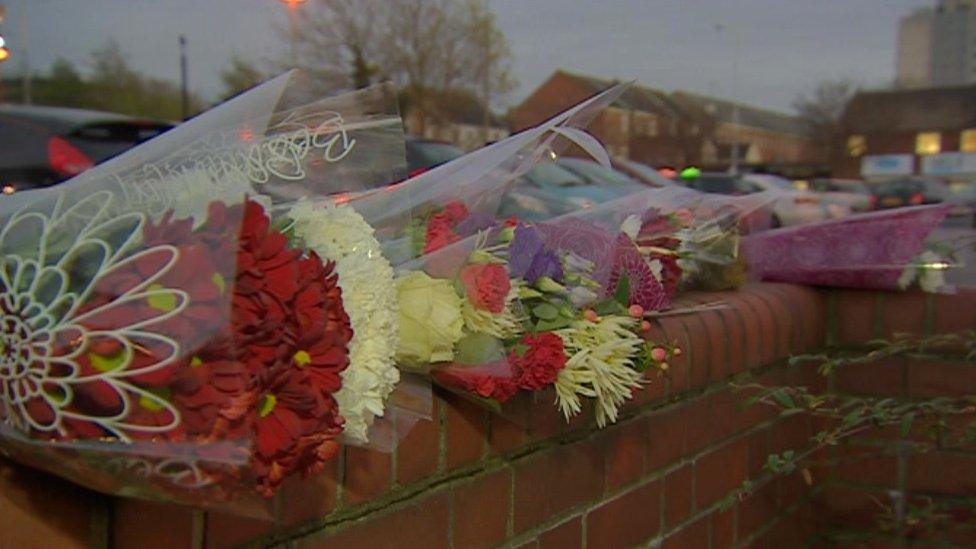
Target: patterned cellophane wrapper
x: 162, y: 336
x: 866, y: 252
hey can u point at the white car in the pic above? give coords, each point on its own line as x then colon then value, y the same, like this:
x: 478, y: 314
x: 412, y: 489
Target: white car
x: 792, y: 206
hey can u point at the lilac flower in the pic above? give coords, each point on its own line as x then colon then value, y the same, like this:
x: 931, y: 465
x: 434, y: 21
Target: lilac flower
x: 529, y: 259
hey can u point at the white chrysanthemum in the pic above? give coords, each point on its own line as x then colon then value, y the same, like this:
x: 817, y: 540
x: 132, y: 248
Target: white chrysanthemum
x: 926, y: 269
x: 504, y: 325
x: 338, y: 233
x: 600, y: 366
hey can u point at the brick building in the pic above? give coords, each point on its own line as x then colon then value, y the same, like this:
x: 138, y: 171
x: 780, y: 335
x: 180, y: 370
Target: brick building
x: 454, y: 116
x: 676, y: 129
x: 644, y: 124
x: 766, y: 138
x: 903, y: 132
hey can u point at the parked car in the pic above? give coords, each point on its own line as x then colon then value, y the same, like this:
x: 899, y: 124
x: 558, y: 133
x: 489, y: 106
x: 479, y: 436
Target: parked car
x: 909, y: 191
x: 424, y: 154
x: 594, y: 174
x: 549, y: 190
x: 43, y: 146
x: 851, y: 192
x: 789, y: 206
x: 642, y: 173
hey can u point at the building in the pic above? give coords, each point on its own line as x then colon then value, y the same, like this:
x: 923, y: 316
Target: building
x: 937, y: 46
x: 644, y: 124
x: 763, y: 138
x: 456, y: 116
x: 904, y: 132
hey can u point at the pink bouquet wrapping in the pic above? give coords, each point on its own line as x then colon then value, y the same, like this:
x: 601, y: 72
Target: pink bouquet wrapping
x: 878, y: 250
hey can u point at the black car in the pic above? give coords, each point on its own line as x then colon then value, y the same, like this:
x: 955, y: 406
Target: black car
x: 42, y: 146
x: 910, y: 191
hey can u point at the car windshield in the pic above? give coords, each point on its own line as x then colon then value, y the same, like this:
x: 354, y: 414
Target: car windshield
x: 426, y: 154
x: 772, y: 182
x: 551, y: 175
x: 650, y: 174
x: 722, y: 184
x: 597, y: 173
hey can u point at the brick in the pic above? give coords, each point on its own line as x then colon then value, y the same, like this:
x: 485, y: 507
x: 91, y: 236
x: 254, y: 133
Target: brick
x: 942, y: 472
x: 625, y: 448
x: 735, y: 340
x: 693, y: 536
x: 464, y: 431
x: 845, y: 505
x: 625, y: 521
x: 752, y: 342
x: 417, y: 452
x: 760, y: 448
x: 566, y: 535
x: 722, y: 527
x: 767, y: 328
x: 481, y: 510
x: 367, y: 474
x: 678, y: 495
x: 504, y: 435
x: 723, y: 409
x: 865, y: 465
x: 301, y: 499
x: 756, y: 510
x: 667, y: 437
x: 719, y: 472
x: 38, y: 510
x: 421, y: 524
x: 955, y: 312
x: 556, y: 480
x: 783, y: 321
x: 698, y: 414
x: 903, y: 312
x: 941, y: 378
x: 788, y: 531
x: 227, y: 530
x: 698, y: 353
x: 150, y: 524
x: 855, y: 316
x: 545, y: 421
x: 881, y: 377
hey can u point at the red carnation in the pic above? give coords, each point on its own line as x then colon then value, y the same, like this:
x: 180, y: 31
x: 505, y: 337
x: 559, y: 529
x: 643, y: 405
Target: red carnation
x: 487, y: 286
x: 541, y: 361
x: 440, y: 233
x: 494, y: 380
x: 456, y: 211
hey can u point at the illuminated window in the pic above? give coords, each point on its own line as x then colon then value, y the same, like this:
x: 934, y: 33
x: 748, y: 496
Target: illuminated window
x: 928, y: 143
x: 967, y: 141
x: 856, y: 145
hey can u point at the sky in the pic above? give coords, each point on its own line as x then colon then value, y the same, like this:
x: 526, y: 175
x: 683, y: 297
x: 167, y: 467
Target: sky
x: 763, y: 52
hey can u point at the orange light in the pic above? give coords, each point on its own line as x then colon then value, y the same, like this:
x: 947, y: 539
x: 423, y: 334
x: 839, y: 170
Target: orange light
x: 293, y: 2
x: 4, y: 54
x: 9, y: 189
x: 668, y: 172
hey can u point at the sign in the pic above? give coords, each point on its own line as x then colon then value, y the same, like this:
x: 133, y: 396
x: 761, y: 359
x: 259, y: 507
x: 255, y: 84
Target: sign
x: 951, y: 163
x: 887, y: 164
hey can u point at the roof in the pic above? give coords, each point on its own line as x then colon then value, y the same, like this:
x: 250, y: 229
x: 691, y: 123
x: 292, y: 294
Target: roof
x: 462, y: 107
x: 748, y: 115
x: 63, y: 119
x: 948, y: 108
x: 635, y: 97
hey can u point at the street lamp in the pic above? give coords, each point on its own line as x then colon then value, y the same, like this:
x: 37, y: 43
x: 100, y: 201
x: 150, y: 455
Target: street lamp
x: 292, y: 29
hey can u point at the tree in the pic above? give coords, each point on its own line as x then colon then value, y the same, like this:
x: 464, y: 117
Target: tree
x: 62, y: 85
x: 240, y: 76
x: 424, y: 46
x: 822, y: 111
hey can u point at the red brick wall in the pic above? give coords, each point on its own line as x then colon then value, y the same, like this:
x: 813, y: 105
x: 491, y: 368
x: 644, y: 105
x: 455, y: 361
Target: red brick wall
x: 471, y: 479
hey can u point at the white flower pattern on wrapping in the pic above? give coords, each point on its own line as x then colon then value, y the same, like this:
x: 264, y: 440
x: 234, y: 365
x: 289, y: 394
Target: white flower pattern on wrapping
x: 51, y: 264
x: 338, y: 233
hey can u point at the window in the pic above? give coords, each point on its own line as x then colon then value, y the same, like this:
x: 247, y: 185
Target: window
x: 967, y: 140
x: 856, y: 145
x: 928, y: 143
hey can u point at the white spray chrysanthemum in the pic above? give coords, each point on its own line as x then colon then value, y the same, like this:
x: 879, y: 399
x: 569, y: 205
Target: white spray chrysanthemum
x: 338, y: 233
x: 600, y: 366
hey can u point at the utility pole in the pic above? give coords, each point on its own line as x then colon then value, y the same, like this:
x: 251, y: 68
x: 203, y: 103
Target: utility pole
x: 184, y: 84
x: 25, y: 51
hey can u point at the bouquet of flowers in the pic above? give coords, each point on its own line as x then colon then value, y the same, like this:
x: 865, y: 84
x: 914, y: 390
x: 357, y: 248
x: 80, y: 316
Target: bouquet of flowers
x: 165, y: 335
x: 882, y: 250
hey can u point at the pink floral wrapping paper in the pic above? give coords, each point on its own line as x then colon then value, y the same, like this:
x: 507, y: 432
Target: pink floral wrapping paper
x: 867, y: 251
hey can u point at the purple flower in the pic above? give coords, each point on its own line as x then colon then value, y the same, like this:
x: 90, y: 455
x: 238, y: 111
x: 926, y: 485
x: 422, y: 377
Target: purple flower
x: 529, y: 259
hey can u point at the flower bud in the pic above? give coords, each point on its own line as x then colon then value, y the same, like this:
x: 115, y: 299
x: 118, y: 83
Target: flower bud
x: 549, y: 285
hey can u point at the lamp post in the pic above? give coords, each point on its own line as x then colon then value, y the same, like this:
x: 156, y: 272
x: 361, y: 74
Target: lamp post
x: 734, y: 161
x: 292, y: 27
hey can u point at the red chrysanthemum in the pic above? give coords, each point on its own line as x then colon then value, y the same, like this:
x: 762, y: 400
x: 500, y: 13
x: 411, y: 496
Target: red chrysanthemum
x: 540, y: 362
x: 487, y: 286
x: 645, y: 290
x: 494, y: 380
